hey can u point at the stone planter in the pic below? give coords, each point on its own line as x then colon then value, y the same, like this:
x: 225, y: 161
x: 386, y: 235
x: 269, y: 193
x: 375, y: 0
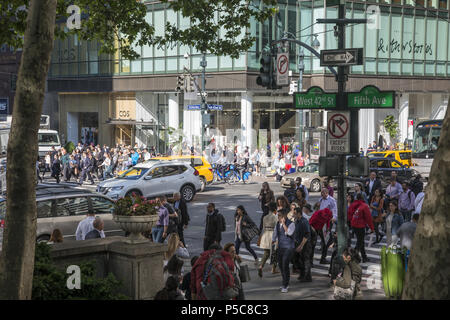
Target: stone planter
x: 135, y: 225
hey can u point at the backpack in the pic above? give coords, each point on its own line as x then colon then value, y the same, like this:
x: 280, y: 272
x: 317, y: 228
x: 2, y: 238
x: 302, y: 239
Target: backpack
x: 223, y: 224
x: 212, y: 275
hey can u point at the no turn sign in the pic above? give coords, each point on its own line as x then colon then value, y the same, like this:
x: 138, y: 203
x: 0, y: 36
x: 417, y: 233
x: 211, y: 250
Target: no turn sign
x: 282, y: 69
x: 338, y: 127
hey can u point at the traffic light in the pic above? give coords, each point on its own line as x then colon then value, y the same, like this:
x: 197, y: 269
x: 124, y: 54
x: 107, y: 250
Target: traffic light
x: 265, y: 72
x: 189, y: 84
x: 180, y: 83
x: 267, y: 77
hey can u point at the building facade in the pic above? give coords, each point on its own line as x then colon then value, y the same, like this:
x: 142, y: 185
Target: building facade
x: 109, y: 100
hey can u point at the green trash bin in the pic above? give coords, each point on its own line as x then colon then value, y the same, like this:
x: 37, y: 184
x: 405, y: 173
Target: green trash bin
x: 393, y: 271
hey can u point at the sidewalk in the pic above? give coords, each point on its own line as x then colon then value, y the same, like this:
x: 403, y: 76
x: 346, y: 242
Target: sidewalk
x: 268, y: 288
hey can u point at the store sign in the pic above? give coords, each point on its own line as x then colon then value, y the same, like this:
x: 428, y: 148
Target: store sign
x: 3, y: 109
x: 371, y: 97
x: 125, y: 110
x: 314, y: 98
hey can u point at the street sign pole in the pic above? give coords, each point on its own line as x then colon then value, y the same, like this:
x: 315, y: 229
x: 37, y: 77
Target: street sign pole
x: 342, y: 228
x: 341, y: 22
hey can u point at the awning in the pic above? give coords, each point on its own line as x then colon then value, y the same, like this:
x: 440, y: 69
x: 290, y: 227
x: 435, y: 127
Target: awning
x: 131, y: 122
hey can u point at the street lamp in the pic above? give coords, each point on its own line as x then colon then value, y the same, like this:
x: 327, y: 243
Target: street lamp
x: 315, y: 44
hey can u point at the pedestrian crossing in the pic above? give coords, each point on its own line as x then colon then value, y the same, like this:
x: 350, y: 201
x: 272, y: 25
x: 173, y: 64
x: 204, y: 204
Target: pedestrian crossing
x: 371, y: 270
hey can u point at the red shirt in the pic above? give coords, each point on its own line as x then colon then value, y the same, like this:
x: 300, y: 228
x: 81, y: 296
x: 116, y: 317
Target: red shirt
x: 320, y: 218
x: 359, y: 213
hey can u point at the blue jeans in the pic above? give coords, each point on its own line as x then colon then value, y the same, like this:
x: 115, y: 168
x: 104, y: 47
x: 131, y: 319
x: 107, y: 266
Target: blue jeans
x: 284, y: 258
x: 157, y: 233
x: 247, y: 246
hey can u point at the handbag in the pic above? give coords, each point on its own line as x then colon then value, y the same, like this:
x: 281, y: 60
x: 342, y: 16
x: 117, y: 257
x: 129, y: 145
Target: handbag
x: 250, y: 232
x: 344, y: 294
x: 244, y: 273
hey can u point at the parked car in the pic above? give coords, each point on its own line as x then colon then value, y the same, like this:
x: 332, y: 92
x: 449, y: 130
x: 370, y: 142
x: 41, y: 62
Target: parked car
x: 154, y: 178
x: 310, y: 177
x: 63, y: 207
x: 199, y: 163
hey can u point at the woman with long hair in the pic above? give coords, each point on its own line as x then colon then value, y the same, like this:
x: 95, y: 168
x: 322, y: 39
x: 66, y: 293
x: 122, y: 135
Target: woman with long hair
x: 175, y: 247
x: 376, y: 206
x: 266, y: 196
x: 244, y: 231
x: 282, y: 204
x: 56, y: 237
x: 393, y: 221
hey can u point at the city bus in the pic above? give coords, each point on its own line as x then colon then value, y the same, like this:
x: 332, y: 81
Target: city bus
x: 425, y: 143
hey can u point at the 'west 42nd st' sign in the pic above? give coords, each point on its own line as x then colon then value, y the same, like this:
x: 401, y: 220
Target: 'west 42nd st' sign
x: 315, y: 98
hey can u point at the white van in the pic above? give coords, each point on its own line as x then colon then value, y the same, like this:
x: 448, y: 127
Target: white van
x: 46, y: 140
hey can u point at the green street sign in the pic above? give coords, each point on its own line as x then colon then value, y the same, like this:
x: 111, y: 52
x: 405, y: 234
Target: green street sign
x: 314, y: 98
x: 371, y: 97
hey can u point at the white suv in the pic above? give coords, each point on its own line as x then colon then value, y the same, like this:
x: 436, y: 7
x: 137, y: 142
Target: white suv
x: 152, y: 179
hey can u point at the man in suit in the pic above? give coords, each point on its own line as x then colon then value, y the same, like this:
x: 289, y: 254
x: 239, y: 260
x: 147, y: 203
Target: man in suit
x: 183, y: 216
x: 372, y: 184
x: 87, y: 163
x: 97, y: 232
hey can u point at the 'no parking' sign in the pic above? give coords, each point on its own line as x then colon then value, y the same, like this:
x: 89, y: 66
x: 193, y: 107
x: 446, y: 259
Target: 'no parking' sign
x: 338, y: 126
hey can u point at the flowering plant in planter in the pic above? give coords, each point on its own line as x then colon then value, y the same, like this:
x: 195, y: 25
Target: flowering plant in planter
x: 135, y: 206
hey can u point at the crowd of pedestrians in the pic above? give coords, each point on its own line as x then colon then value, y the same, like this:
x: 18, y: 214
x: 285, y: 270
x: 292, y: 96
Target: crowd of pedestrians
x: 89, y: 162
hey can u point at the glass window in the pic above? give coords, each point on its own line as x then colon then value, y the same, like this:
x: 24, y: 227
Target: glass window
x: 148, y: 65
x: 63, y: 207
x: 442, y: 36
x: 160, y: 65
x: 430, y: 45
x: 383, y: 36
x: 172, y: 49
x: 134, y: 173
x: 198, y: 162
x: 159, y: 30
x: 102, y: 205
x: 136, y: 66
x: 419, y: 50
x: 396, y: 37
x: 156, y: 172
x: 170, y: 171
x: 78, y: 206
x: 226, y: 63
x: 172, y: 64
x: 44, y: 209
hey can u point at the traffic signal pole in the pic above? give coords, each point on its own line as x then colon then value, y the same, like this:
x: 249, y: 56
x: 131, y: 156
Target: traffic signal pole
x: 342, y: 76
x: 342, y: 228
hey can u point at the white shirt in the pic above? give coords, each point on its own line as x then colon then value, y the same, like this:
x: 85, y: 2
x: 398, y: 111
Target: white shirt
x: 329, y: 203
x: 419, y: 201
x: 85, y: 226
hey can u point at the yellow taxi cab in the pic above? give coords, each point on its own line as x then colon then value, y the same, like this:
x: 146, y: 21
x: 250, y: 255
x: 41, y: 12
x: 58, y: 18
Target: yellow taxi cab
x: 402, y: 156
x: 198, y: 162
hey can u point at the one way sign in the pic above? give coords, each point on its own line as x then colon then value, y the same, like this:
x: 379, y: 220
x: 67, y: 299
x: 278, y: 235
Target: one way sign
x: 344, y: 57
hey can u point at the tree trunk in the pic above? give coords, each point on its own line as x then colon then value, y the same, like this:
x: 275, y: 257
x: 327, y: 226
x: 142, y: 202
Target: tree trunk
x: 17, y: 259
x: 428, y: 275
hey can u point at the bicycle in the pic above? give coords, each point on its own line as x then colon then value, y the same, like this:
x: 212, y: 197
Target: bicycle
x: 239, y: 173
x: 217, y: 173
